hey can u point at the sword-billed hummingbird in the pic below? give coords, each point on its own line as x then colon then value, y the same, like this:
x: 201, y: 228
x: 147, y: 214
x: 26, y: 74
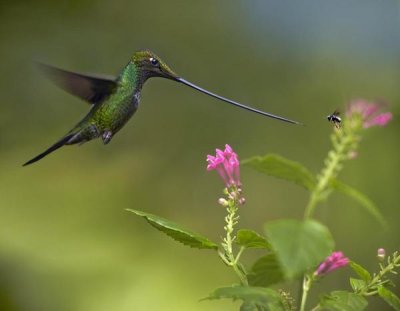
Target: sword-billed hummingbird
x: 114, y: 101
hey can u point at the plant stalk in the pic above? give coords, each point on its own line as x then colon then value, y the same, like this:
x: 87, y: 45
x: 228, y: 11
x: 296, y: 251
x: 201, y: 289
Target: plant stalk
x: 304, y: 294
x: 377, y: 280
x: 332, y: 166
x: 231, y: 220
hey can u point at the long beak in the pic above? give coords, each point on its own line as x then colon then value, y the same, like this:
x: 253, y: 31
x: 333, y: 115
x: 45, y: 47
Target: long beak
x: 181, y: 80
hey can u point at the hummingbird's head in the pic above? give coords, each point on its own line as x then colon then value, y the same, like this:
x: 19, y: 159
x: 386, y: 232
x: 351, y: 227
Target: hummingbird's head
x: 150, y: 65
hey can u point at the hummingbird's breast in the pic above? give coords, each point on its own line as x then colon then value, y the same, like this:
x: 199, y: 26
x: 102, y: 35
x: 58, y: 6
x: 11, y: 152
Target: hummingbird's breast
x: 112, y: 114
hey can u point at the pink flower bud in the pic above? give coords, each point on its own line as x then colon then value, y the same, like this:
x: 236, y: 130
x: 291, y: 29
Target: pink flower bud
x: 381, y: 254
x: 223, y: 202
x: 352, y: 155
x: 331, y: 263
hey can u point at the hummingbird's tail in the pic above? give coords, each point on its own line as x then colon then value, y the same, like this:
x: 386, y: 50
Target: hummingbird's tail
x: 57, y: 145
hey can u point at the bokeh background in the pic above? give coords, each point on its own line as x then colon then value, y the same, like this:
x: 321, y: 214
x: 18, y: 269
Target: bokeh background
x: 66, y: 241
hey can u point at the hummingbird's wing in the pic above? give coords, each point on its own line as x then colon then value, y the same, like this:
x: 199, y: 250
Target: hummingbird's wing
x: 89, y: 88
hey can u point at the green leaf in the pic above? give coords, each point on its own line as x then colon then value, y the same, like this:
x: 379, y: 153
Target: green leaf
x: 389, y: 297
x: 266, y: 271
x: 251, y: 239
x: 176, y: 232
x: 362, y: 199
x: 361, y: 272
x: 357, y: 284
x: 280, y: 167
x: 248, y: 306
x: 343, y: 301
x: 299, y: 245
x: 253, y: 297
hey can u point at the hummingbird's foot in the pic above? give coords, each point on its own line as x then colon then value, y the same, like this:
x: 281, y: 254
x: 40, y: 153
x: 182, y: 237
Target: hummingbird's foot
x: 107, y: 135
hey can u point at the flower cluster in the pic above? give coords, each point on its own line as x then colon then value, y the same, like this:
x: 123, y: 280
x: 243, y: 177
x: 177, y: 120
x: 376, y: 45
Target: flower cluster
x: 226, y: 163
x: 369, y: 112
x: 334, y: 261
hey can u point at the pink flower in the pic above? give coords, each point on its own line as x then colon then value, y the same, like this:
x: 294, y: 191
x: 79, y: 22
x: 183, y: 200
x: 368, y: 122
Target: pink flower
x: 334, y: 261
x: 226, y: 163
x: 369, y: 112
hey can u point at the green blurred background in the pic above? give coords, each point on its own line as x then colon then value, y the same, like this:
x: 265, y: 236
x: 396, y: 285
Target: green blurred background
x: 66, y: 241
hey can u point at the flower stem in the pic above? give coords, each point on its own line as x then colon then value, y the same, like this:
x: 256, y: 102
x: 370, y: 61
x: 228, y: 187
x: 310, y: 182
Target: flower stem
x: 304, y: 293
x: 343, y: 142
x: 228, y: 257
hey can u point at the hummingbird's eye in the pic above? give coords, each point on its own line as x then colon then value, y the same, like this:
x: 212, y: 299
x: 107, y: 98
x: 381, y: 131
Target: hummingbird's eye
x: 153, y: 61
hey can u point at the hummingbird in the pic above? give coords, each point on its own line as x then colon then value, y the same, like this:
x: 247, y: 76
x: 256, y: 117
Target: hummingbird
x: 114, y: 100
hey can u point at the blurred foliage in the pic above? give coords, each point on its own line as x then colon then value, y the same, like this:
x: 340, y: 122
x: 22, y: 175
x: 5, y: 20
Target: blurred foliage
x: 66, y: 241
